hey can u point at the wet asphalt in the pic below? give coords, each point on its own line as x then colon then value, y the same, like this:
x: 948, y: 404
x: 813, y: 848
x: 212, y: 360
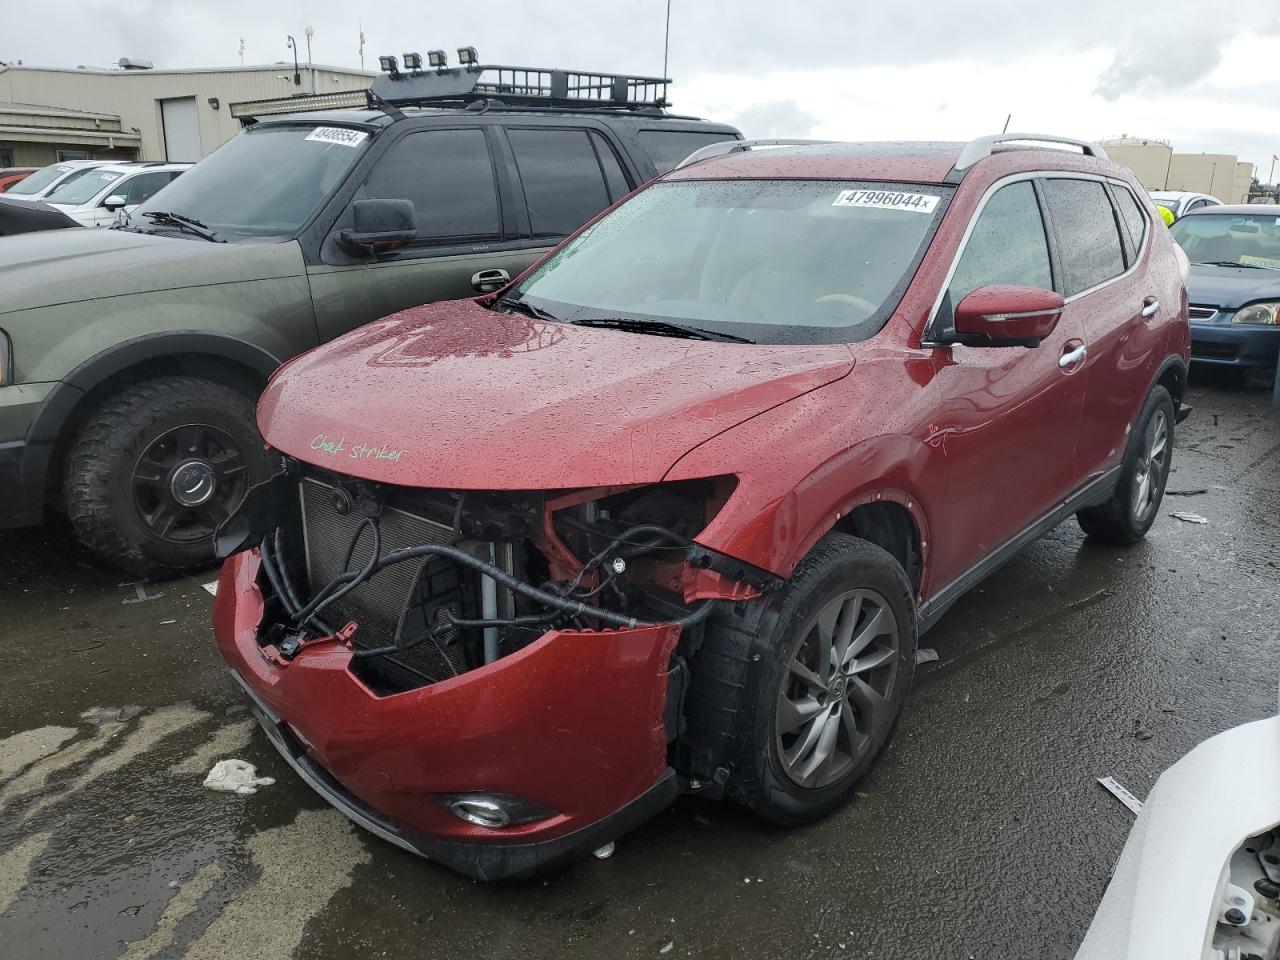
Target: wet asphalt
x: 982, y: 832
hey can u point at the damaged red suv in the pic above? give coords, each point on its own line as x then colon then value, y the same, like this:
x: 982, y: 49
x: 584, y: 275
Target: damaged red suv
x: 668, y: 513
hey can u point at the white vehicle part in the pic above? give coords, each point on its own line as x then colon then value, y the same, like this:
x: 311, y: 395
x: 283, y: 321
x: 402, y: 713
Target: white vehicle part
x: 1200, y: 833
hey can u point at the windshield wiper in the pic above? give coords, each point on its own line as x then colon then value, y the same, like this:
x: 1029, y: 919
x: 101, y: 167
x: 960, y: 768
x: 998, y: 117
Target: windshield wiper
x: 527, y: 308
x: 1230, y: 263
x: 185, y: 224
x: 660, y: 328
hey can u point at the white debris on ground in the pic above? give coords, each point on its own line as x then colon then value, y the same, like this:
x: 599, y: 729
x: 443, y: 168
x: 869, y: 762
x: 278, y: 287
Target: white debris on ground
x: 236, y: 776
x: 212, y: 587
x: 605, y: 852
x: 1188, y: 517
x: 926, y: 655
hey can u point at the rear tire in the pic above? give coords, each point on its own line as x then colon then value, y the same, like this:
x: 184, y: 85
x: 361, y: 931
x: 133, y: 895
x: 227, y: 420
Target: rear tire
x: 157, y: 467
x: 1128, y: 514
x: 795, y: 699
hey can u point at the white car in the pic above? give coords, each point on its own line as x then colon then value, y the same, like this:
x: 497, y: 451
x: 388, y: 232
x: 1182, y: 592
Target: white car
x: 47, y: 179
x: 95, y: 198
x: 1181, y: 202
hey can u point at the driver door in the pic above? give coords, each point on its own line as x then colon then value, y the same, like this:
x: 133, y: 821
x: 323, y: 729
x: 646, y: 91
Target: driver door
x: 1004, y: 445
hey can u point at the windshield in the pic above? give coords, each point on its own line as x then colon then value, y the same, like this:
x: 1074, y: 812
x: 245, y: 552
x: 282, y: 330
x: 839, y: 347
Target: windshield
x: 772, y: 260
x: 268, y: 181
x: 77, y: 190
x: 1250, y: 241
x: 40, y: 179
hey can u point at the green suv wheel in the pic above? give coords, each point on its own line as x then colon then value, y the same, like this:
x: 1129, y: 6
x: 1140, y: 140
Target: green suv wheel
x: 157, y: 467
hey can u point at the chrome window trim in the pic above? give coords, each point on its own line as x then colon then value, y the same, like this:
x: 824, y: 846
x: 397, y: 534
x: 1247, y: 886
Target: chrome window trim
x: 926, y: 340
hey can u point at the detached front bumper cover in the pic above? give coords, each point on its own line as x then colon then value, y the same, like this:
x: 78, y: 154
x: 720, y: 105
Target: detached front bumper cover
x: 573, y: 722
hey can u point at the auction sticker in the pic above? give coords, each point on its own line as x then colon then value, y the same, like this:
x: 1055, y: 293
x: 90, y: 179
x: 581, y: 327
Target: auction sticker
x: 887, y: 200
x: 1270, y: 263
x: 338, y: 135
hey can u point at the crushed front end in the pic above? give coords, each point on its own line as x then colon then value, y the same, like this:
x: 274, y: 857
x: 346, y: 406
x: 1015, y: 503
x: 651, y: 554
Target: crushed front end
x: 490, y: 679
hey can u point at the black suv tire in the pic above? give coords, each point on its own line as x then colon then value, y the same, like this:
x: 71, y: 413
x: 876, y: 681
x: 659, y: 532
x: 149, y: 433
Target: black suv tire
x: 155, y: 468
x: 1119, y: 519
x: 741, y: 673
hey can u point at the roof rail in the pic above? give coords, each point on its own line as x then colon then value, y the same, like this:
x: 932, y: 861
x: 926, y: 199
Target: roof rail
x: 723, y: 148
x: 982, y: 147
x: 542, y: 86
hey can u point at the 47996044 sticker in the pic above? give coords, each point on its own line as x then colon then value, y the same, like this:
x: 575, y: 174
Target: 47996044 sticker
x: 887, y: 200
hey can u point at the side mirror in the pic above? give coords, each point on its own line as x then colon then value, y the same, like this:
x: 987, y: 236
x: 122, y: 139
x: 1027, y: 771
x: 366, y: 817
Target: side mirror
x: 1007, y: 316
x: 114, y: 202
x: 379, y: 224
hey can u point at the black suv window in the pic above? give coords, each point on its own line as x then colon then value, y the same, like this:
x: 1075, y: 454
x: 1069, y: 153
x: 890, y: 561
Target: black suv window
x: 563, y: 179
x: 666, y: 148
x: 448, y: 175
x: 1087, y: 232
x: 1007, y: 245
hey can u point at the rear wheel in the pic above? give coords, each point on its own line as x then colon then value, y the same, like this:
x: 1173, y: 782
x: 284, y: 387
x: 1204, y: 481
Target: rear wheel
x: 157, y: 468
x: 1126, y: 517
x: 826, y: 676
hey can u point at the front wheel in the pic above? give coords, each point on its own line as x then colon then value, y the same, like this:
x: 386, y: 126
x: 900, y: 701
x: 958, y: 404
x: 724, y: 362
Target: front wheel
x: 826, y: 681
x: 155, y: 470
x: 1126, y: 517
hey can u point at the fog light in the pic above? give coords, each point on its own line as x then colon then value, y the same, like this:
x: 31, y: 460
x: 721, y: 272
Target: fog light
x: 412, y: 61
x: 481, y: 812
x: 389, y: 65
x: 494, y: 810
x: 437, y: 58
x: 467, y: 56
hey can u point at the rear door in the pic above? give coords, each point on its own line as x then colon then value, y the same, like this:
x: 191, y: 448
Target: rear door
x: 1108, y: 289
x: 465, y: 222
x: 1009, y: 421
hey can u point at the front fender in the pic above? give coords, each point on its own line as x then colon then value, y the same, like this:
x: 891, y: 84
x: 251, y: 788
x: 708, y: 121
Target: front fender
x: 792, y: 489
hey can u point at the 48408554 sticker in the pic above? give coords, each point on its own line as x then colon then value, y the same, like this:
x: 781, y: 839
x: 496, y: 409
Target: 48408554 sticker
x: 339, y: 135
x: 887, y: 200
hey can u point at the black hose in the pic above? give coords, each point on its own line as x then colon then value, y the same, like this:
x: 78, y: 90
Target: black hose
x: 344, y: 583
x: 278, y: 574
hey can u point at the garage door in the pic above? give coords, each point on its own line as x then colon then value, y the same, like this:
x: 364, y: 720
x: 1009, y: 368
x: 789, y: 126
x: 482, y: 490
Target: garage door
x: 181, y: 129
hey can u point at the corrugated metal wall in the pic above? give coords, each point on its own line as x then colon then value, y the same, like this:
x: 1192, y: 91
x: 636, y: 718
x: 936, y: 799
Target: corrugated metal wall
x: 135, y: 95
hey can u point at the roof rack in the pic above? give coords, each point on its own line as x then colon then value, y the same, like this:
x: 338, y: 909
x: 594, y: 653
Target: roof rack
x: 982, y: 147
x: 723, y: 148
x: 536, y: 86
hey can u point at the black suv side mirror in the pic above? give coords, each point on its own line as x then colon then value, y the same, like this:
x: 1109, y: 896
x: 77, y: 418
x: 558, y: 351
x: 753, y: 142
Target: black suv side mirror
x: 379, y: 224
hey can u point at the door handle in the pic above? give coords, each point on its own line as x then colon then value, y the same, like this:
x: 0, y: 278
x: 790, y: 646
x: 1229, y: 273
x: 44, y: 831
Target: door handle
x: 1071, y: 357
x: 1150, y: 307
x: 487, y: 281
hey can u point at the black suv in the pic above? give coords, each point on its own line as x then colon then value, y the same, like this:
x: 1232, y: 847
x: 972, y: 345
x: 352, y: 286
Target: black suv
x: 130, y: 358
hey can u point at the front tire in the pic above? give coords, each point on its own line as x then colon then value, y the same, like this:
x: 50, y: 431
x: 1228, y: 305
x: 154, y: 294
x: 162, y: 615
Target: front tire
x: 1125, y: 518
x: 826, y: 679
x: 157, y: 467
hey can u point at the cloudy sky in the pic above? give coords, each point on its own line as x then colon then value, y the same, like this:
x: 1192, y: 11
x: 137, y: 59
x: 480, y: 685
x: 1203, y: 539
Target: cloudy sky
x: 1204, y: 74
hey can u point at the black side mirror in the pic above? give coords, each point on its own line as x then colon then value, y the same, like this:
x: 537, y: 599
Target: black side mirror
x: 379, y: 225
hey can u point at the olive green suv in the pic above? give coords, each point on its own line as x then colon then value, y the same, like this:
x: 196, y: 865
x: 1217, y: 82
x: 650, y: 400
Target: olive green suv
x: 131, y: 358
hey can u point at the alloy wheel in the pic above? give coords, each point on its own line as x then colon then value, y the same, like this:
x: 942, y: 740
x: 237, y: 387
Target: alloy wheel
x: 1151, y: 466
x: 187, y: 481
x: 838, y: 688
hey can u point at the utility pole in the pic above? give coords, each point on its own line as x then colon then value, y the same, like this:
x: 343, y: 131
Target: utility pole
x: 242, y: 51
x: 1007, y: 119
x: 309, y: 33
x: 666, y: 42
x: 360, y: 26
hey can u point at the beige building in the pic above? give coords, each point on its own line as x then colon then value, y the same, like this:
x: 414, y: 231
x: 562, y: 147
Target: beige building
x: 48, y: 115
x: 1158, y: 167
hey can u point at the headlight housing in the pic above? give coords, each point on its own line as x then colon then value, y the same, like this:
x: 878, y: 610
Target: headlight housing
x: 1266, y: 314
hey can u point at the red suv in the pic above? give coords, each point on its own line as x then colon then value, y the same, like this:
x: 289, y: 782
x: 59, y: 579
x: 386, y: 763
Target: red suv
x: 669, y: 512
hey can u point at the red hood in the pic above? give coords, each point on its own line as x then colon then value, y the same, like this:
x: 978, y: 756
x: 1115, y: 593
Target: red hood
x: 456, y: 396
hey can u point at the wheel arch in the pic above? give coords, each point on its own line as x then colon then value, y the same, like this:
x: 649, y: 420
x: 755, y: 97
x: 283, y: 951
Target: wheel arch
x: 224, y: 359
x: 1172, y: 375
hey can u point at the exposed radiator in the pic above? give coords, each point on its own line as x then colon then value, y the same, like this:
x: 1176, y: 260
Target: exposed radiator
x: 378, y: 606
